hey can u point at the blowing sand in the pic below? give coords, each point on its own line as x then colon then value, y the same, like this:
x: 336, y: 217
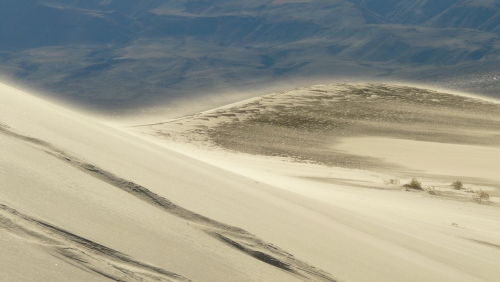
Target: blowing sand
x: 292, y: 186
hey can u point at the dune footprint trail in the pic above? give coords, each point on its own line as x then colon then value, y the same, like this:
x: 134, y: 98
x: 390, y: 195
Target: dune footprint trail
x: 109, y: 262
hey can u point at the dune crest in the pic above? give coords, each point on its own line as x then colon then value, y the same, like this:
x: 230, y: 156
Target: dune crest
x: 306, y: 124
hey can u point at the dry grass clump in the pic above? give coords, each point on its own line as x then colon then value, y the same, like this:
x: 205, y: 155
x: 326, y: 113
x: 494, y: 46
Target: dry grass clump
x: 414, y: 184
x: 392, y: 181
x: 480, y: 196
x: 431, y: 190
x: 457, y: 185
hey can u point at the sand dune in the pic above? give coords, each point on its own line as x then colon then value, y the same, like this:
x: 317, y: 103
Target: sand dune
x: 81, y: 252
x: 308, y: 124
x: 63, y: 195
x: 84, y: 201
x: 340, y: 146
x: 234, y: 236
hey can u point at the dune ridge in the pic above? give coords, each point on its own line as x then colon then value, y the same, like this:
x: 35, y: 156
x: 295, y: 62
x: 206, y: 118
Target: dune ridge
x: 63, y: 169
x: 81, y: 252
x: 352, y: 148
x: 233, y: 236
x: 306, y: 124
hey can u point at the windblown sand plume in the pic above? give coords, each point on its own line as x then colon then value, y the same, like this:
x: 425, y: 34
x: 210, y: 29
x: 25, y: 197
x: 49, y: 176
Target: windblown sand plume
x: 306, y: 124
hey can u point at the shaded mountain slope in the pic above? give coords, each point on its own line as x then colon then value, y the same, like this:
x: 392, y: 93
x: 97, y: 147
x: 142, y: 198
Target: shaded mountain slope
x: 116, y: 54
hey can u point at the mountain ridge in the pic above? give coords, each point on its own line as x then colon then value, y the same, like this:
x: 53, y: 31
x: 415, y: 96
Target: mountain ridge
x: 110, y: 53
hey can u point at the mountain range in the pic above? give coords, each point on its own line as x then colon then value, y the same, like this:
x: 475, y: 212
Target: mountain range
x: 112, y: 54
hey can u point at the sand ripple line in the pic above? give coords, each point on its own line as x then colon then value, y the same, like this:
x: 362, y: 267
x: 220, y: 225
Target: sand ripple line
x: 234, y: 237
x: 81, y: 252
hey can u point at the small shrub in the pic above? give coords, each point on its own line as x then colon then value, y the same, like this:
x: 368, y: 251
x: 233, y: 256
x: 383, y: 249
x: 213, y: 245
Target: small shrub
x: 431, y: 190
x: 457, y: 185
x: 480, y: 196
x: 414, y: 184
x: 392, y: 181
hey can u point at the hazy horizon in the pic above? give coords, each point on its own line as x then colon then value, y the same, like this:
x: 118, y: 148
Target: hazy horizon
x: 112, y: 55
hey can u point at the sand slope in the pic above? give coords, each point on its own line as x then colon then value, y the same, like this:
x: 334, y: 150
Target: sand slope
x: 84, y: 201
x: 336, y: 148
x: 102, y: 204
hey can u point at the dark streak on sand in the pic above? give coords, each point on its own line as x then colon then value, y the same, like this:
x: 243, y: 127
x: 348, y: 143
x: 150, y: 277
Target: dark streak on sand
x: 495, y: 246
x: 230, y: 235
x: 86, y: 254
x: 256, y: 254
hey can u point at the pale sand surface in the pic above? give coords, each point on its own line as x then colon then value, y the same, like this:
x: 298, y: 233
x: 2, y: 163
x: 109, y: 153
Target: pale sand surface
x: 49, y: 181
x: 338, y: 162
x: 431, y: 158
x: 94, y: 199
